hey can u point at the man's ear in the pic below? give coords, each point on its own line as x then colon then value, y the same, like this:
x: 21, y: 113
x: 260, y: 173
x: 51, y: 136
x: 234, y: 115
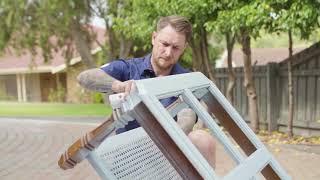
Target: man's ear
x: 154, y: 34
x: 185, y: 46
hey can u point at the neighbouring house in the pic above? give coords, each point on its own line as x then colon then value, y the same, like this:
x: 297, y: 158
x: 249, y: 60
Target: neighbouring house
x: 27, y: 78
x: 259, y: 56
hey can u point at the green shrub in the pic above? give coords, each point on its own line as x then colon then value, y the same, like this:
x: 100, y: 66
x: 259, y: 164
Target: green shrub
x: 5, y: 97
x: 57, y: 95
x: 97, y: 97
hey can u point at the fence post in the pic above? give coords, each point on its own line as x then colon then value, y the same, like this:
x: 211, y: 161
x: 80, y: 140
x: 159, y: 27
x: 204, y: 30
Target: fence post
x: 272, y: 99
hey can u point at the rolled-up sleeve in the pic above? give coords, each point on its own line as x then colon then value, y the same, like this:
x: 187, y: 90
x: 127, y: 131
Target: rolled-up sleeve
x: 116, y: 69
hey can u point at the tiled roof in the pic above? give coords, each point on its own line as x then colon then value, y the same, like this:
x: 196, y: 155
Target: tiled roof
x: 11, y: 62
x: 260, y: 56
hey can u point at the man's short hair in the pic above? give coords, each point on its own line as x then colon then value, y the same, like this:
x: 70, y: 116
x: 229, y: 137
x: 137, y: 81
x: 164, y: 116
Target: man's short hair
x: 179, y: 23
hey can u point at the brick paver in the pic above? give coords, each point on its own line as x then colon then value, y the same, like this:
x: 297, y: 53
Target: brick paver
x: 30, y: 150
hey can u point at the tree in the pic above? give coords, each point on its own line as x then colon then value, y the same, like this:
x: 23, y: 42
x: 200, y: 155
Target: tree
x: 219, y: 26
x: 114, y: 13
x: 290, y: 87
x: 230, y: 40
x: 246, y: 19
x: 11, y: 13
x: 145, y: 13
x: 48, y: 25
x: 248, y: 79
x: 290, y: 16
x: 128, y: 24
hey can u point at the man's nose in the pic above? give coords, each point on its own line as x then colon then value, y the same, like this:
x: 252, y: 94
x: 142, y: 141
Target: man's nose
x: 168, y: 51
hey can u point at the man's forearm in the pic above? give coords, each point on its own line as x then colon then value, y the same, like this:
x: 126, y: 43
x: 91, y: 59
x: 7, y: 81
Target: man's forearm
x: 96, y: 80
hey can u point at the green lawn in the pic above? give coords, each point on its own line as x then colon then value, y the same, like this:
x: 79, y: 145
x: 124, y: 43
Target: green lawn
x: 53, y: 109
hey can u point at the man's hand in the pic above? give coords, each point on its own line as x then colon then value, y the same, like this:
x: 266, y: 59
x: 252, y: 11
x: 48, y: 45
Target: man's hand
x: 186, y: 119
x: 122, y: 87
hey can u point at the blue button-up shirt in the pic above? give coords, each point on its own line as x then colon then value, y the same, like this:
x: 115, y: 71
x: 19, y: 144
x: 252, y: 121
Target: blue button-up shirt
x: 136, y: 69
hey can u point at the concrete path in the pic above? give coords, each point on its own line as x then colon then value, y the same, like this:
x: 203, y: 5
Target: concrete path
x: 31, y: 148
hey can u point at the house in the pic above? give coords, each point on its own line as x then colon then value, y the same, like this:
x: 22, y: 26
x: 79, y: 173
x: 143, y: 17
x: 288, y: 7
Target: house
x: 27, y: 78
x: 260, y: 56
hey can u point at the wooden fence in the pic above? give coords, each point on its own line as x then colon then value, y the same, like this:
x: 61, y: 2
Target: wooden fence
x: 271, y: 82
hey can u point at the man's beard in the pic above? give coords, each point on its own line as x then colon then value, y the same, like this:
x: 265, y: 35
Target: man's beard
x: 163, y: 66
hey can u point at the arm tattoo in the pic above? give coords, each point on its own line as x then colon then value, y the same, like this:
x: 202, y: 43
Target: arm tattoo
x: 96, y: 80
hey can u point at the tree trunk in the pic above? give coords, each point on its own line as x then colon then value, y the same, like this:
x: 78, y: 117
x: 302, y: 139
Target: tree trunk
x: 196, y: 55
x: 125, y: 47
x: 112, y: 42
x: 200, y: 56
x: 248, y: 81
x: 82, y: 44
x: 205, y: 54
x: 290, y: 88
x: 231, y: 75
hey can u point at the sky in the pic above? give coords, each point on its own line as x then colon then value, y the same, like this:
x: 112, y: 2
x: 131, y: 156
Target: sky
x: 97, y: 21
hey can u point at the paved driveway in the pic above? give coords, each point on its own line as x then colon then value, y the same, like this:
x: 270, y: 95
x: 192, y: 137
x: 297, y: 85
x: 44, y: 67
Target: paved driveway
x: 31, y: 148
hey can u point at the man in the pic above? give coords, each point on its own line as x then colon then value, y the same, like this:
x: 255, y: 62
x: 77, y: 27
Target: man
x: 169, y: 42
